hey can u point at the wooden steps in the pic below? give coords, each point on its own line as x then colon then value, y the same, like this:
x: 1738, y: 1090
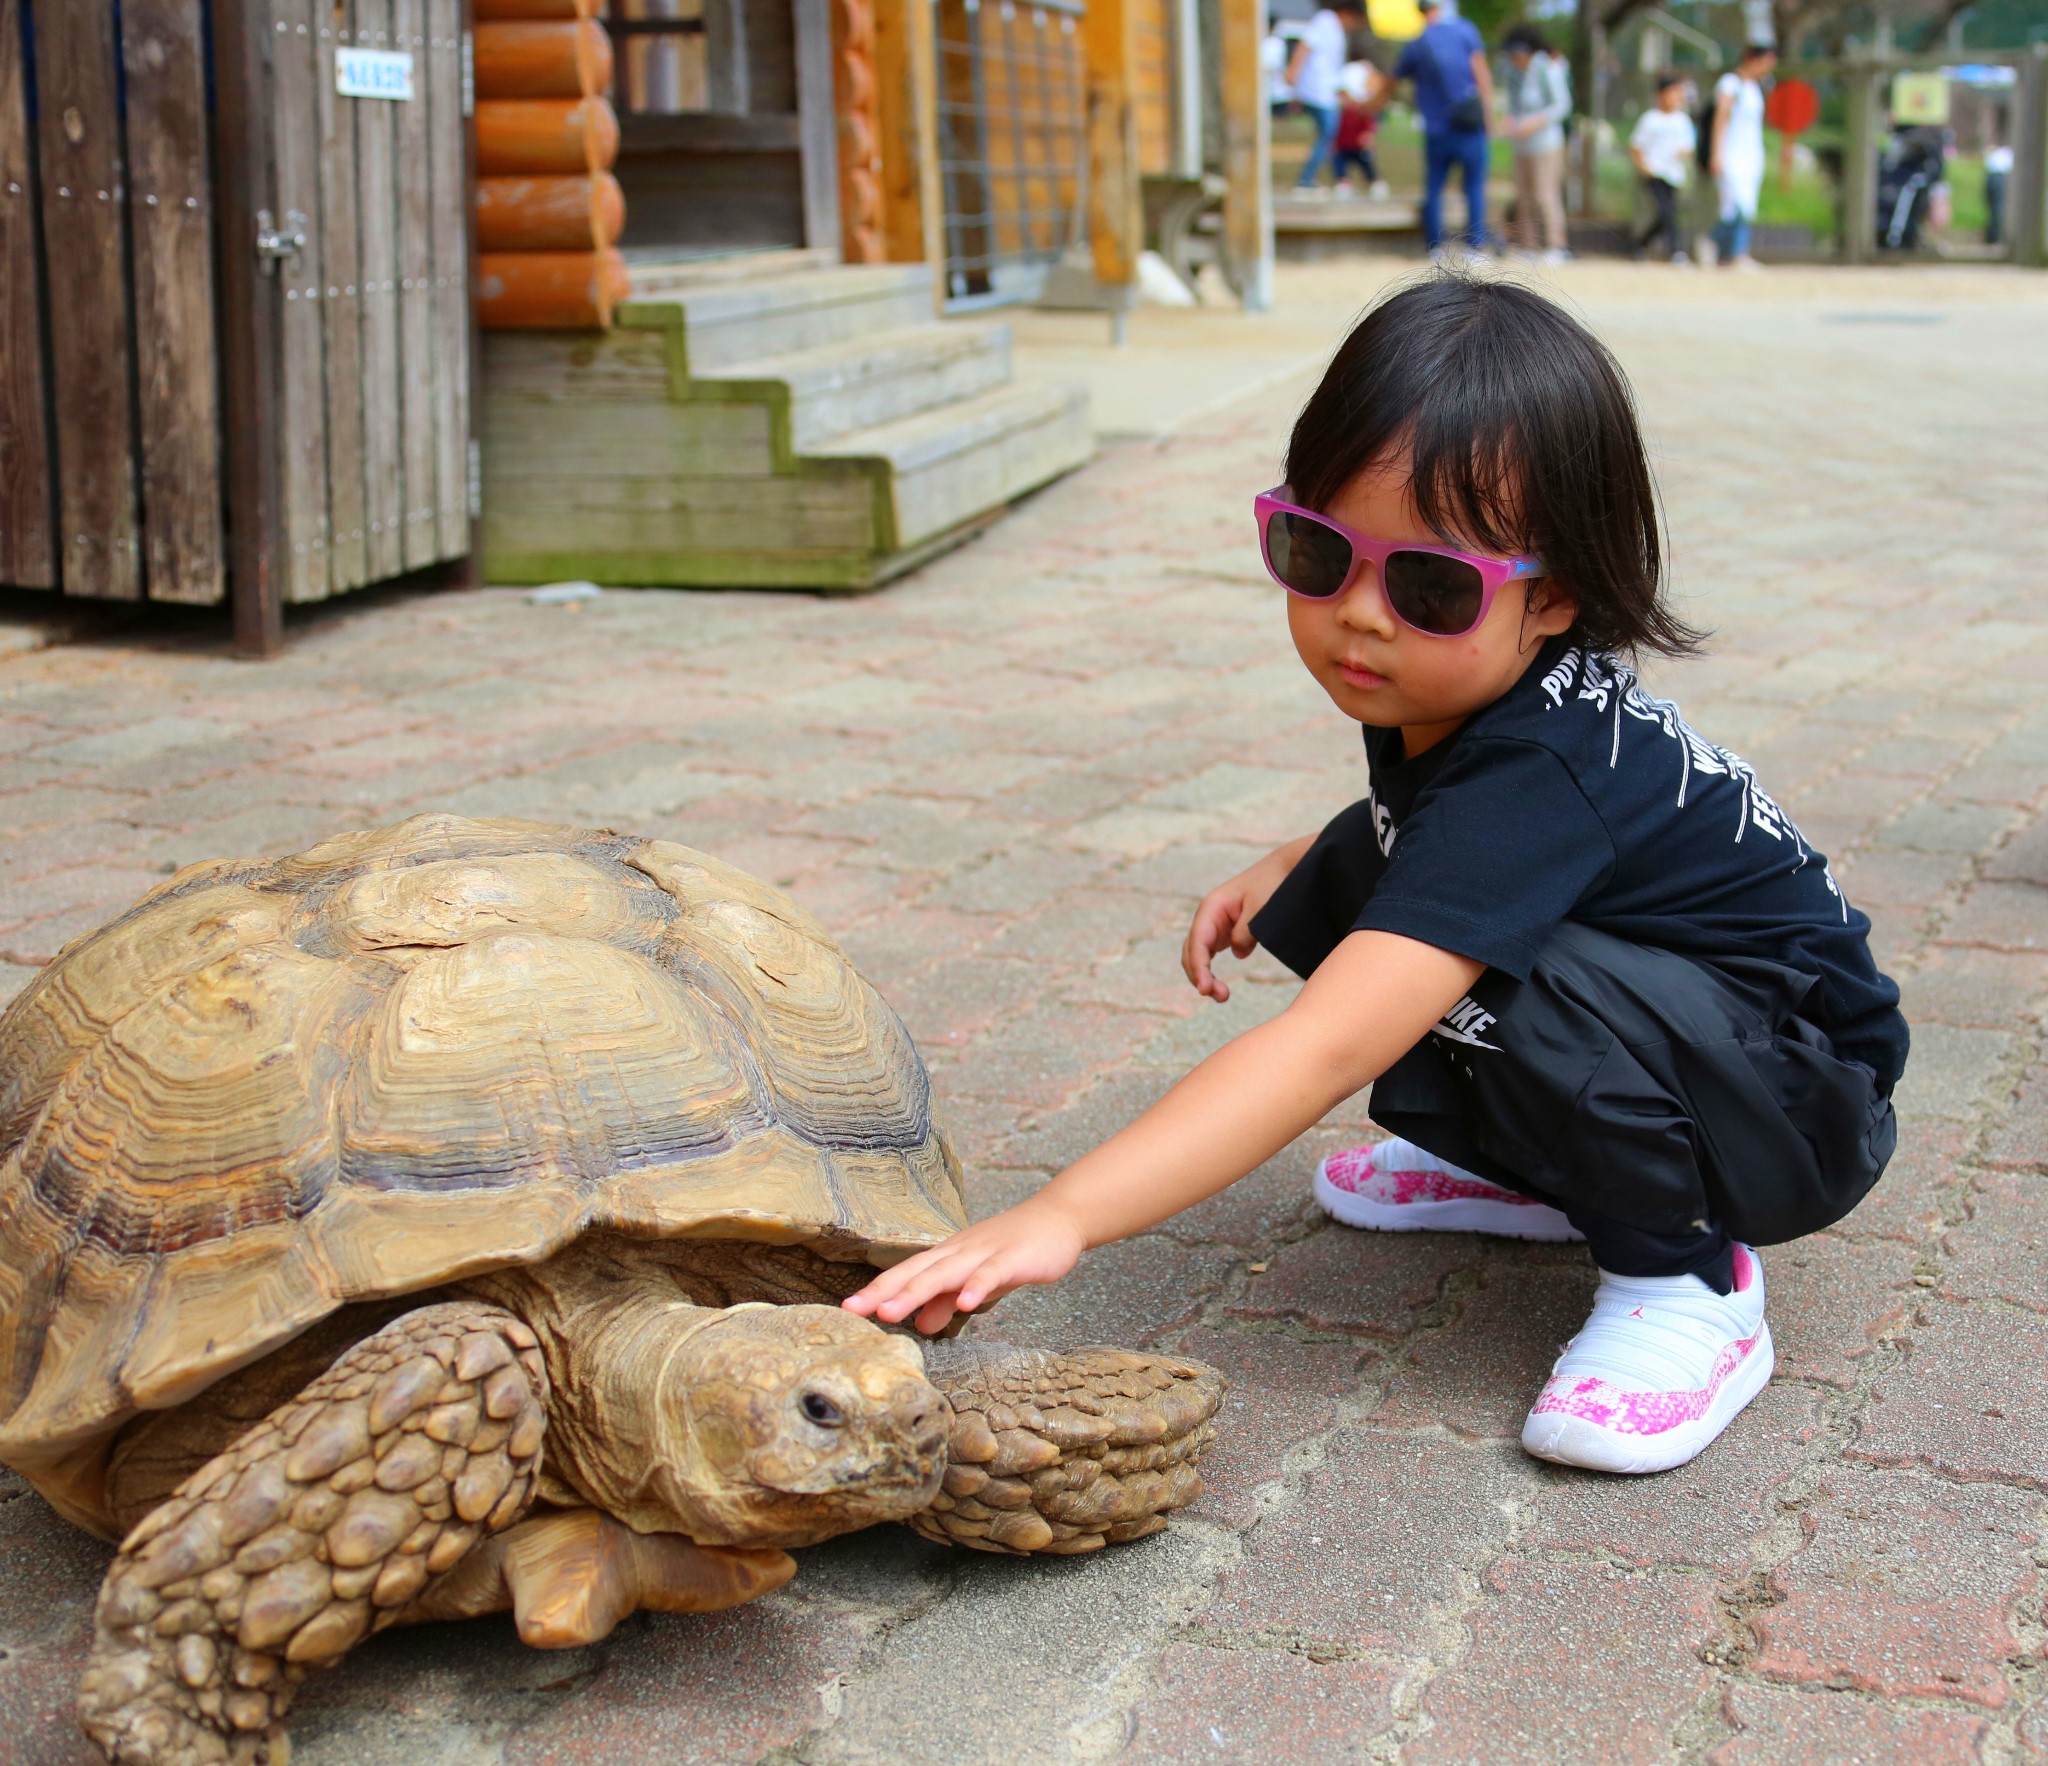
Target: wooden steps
x: 801, y: 425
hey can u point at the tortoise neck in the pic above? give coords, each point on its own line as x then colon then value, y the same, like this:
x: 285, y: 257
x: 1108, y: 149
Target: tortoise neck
x: 612, y: 1337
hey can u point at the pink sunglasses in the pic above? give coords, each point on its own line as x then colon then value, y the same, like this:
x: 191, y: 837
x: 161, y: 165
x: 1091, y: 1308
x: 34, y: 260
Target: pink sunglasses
x: 1434, y: 590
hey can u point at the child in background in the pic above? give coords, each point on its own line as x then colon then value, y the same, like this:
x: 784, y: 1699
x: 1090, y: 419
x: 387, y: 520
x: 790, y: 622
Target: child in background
x: 1357, y: 128
x: 1600, y: 985
x: 1662, y: 146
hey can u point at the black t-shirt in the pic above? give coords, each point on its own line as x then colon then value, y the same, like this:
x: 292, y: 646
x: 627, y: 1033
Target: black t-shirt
x: 1579, y: 796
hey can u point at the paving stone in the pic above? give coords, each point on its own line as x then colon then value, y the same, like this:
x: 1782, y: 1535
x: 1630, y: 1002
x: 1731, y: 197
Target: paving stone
x: 1917, y: 1186
x: 1024, y: 1660
x: 1970, y: 1399
x: 1949, y: 1072
x: 1830, y: 1299
x: 1231, y: 1705
x: 13, y: 978
x: 1339, y: 1278
x: 38, y: 1707
x: 1131, y: 1292
x: 1479, y: 1373
x: 2001, y: 1252
x: 1940, y: 826
x: 2004, y: 916
x: 2021, y: 1137
x: 1937, y: 1570
x: 1283, y: 1391
x: 1373, y: 1553
x: 1571, y: 1662
x: 142, y: 741
x: 1711, y: 1514
x: 1985, y: 989
x: 1779, y: 1726
x: 2024, y: 857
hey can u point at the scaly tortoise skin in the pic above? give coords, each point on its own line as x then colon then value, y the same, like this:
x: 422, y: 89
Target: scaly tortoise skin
x: 452, y: 1218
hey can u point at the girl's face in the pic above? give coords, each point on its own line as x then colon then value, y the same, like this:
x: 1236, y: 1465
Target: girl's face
x: 1390, y: 676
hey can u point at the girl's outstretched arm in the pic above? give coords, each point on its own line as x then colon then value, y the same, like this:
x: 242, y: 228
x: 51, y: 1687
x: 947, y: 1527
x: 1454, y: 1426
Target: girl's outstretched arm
x: 1371, y: 1001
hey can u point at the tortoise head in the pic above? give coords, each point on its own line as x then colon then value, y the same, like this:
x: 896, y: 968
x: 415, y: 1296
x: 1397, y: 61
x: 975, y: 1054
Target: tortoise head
x: 785, y: 1425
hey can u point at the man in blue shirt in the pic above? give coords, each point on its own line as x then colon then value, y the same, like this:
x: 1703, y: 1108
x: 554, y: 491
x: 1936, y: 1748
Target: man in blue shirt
x: 1453, y: 97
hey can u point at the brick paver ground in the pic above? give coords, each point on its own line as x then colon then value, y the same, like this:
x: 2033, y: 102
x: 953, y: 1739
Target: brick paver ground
x: 1003, y: 783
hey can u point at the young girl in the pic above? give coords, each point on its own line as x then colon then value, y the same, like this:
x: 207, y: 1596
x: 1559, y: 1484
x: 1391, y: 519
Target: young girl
x: 1599, y: 984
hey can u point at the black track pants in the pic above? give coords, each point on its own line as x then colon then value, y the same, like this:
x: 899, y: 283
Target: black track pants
x: 1666, y: 1105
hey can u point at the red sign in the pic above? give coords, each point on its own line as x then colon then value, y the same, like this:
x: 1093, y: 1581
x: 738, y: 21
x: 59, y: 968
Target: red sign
x: 1792, y: 108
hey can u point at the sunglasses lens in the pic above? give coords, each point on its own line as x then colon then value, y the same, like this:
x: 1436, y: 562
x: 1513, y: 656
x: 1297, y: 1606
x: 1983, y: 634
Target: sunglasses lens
x: 1306, y: 556
x: 1434, y: 593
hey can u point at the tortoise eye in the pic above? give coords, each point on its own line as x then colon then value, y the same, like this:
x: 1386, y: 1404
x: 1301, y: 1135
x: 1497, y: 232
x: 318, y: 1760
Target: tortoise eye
x: 822, y: 1411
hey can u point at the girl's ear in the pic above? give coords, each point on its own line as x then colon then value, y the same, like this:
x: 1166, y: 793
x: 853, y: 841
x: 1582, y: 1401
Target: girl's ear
x: 1552, y: 609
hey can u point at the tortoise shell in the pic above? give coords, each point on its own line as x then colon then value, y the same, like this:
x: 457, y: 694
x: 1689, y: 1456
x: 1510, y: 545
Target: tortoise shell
x: 276, y: 1087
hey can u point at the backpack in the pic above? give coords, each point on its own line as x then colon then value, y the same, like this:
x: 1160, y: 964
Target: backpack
x: 1703, y: 127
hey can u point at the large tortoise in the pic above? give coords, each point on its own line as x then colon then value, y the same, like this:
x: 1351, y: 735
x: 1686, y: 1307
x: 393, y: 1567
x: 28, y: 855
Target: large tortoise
x: 452, y: 1217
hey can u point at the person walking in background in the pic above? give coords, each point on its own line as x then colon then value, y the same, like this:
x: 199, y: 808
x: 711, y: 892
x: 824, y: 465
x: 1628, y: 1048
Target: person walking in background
x: 1662, y: 146
x: 1453, y: 97
x: 1539, y: 99
x: 1736, y: 152
x: 1314, y: 73
x: 1357, y: 126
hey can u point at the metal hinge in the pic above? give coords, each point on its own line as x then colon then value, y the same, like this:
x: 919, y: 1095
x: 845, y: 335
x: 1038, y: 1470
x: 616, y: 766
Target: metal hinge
x: 468, y: 74
x: 274, y: 244
x: 476, y: 479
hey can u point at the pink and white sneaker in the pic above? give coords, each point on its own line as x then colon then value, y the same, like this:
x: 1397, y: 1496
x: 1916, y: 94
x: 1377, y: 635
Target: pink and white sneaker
x: 1660, y: 1369
x: 1395, y: 1187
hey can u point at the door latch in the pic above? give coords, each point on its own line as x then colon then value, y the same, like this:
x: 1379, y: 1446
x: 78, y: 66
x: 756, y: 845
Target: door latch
x: 274, y: 244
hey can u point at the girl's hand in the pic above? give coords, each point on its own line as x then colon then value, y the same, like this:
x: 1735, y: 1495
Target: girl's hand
x: 1036, y: 1241
x: 1225, y: 917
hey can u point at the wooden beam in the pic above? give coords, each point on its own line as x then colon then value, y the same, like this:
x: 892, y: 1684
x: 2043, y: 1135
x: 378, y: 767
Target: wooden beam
x: 924, y: 99
x: 1116, y: 209
x: 83, y: 201
x: 818, y: 123
x: 249, y: 325
x: 896, y: 131
x: 28, y: 556
x: 1247, y: 155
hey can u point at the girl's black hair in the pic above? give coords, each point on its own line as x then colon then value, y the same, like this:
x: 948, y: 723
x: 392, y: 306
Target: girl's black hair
x: 1522, y: 437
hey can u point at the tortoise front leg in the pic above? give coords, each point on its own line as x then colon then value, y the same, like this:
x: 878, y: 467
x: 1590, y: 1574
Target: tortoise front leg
x: 571, y: 1575
x: 315, y: 1529
x: 1066, y: 1451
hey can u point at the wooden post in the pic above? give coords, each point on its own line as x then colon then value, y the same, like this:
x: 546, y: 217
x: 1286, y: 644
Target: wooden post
x: 2026, y: 198
x: 1247, y: 155
x: 859, y: 108
x: 1859, y: 165
x: 83, y: 201
x: 249, y: 328
x: 899, y: 121
x: 923, y: 46
x: 817, y: 105
x: 28, y: 554
x: 1116, y: 209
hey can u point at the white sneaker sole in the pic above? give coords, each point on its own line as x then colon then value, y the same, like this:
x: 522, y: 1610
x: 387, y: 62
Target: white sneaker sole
x: 1572, y: 1441
x: 1468, y: 1214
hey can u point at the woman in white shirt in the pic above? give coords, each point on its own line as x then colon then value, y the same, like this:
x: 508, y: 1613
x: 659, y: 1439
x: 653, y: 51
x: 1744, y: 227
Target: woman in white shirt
x: 1736, y: 157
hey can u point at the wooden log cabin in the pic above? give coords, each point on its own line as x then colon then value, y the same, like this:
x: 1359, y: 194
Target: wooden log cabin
x: 742, y: 264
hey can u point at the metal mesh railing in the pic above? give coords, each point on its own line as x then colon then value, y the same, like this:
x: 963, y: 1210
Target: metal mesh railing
x: 1013, y: 143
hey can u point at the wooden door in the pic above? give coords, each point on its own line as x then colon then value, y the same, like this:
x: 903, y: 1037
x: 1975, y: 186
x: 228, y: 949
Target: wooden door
x: 109, y: 372
x: 367, y: 243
